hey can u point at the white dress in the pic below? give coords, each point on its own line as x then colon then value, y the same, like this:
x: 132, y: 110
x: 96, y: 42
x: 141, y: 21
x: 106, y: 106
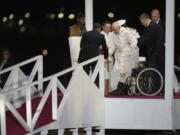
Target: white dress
x: 123, y: 45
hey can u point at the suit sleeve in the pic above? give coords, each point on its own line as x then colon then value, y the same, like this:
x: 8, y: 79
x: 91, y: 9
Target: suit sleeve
x: 104, y: 46
x: 162, y: 24
x: 145, y: 38
x: 83, y: 40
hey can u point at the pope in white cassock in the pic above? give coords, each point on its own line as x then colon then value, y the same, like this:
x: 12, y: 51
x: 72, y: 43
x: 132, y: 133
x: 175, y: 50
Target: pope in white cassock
x: 123, y: 45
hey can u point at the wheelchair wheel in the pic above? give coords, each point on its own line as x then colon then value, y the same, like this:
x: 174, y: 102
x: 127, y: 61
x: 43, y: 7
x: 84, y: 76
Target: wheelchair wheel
x: 149, y: 82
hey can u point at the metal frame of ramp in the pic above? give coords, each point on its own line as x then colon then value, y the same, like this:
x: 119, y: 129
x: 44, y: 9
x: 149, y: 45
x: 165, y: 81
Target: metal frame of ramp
x: 81, y: 106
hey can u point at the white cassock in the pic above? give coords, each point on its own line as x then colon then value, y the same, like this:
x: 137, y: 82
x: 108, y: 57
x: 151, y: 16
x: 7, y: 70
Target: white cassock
x: 107, y: 37
x: 135, y: 56
x: 123, y: 45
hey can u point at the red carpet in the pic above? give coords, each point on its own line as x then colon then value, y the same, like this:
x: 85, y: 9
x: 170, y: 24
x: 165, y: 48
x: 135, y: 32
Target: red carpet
x: 146, y: 97
x: 176, y: 96
x: 14, y: 127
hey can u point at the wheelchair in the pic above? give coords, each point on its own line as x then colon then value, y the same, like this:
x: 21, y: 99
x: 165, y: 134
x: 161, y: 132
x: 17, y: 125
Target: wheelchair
x: 145, y: 80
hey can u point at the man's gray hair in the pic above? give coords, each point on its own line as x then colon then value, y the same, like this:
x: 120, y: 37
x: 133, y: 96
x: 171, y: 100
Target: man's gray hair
x: 144, y: 16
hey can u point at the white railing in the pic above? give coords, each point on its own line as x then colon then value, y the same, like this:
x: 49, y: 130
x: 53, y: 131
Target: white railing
x: 177, y: 68
x: 53, y: 86
x: 18, y: 78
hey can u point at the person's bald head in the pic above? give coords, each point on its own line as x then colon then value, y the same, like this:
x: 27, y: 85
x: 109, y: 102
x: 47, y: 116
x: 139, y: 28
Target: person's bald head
x: 115, y: 28
x: 155, y: 15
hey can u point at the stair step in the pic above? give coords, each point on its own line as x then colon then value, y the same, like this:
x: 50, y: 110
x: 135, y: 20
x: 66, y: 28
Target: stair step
x: 14, y: 127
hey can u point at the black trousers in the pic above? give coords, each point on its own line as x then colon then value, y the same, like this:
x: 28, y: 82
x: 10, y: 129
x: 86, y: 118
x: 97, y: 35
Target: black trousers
x: 90, y: 67
x: 157, y: 61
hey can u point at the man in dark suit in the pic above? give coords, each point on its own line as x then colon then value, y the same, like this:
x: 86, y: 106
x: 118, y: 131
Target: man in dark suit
x: 155, y: 16
x: 154, y: 39
x: 90, y: 43
x: 5, y: 62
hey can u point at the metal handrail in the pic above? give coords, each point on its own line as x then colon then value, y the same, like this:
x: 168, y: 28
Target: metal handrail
x: 52, y: 76
x: 21, y: 64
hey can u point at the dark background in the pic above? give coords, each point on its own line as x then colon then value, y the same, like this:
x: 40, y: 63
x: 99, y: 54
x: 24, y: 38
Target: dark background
x: 52, y: 34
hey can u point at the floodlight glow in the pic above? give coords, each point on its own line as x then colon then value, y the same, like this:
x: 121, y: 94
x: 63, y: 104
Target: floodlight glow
x: 71, y: 16
x: 178, y: 15
x: 11, y: 16
x: 4, y: 19
x: 110, y: 15
x: 27, y: 15
x: 52, y: 16
x: 20, y: 22
x: 60, y: 15
x: 23, y: 29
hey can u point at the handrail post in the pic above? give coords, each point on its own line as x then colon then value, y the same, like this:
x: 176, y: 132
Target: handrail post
x: 89, y: 14
x: 15, y: 82
x: 101, y: 74
x: 88, y: 130
x: 169, y: 59
x: 2, y: 114
x: 54, y: 99
x: 40, y: 72
x: 28, y: 107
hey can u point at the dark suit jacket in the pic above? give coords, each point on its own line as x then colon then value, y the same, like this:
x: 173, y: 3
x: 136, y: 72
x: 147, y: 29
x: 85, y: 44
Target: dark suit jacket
x: 90, y: 44
x: 154, y: 39
x: 162, y: 24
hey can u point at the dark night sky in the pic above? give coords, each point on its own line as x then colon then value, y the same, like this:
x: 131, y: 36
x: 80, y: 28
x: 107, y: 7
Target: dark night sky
x: 43, y: 33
